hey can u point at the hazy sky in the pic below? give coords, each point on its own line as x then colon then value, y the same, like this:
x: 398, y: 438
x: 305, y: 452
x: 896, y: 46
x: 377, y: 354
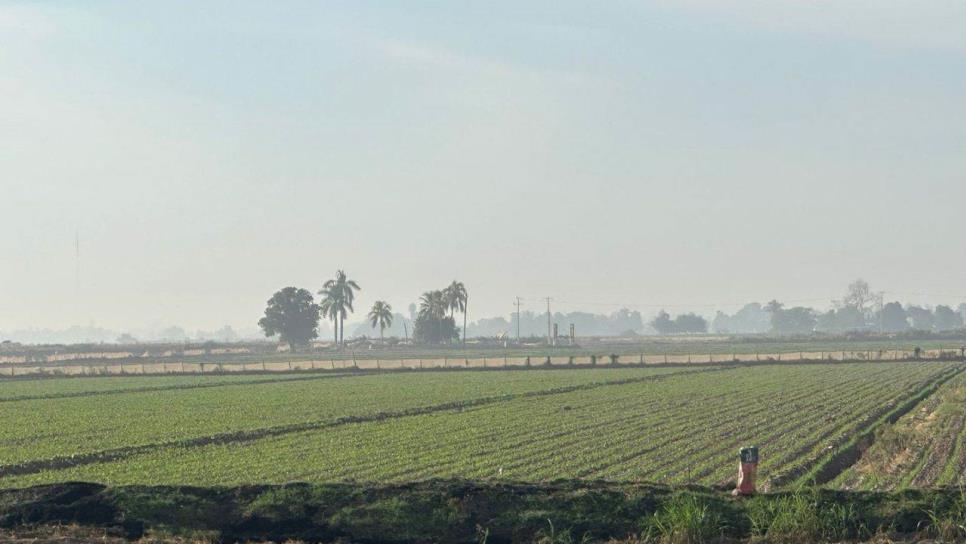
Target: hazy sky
x: 671, y: 153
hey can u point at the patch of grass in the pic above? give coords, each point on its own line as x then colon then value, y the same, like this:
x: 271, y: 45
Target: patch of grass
x: 173, y: 511
x: 947, y: 518
x: 289, y: 502
x: 804, y: 516
x: 419, y: 518
x: 687, y: 519
x: 552, y: 535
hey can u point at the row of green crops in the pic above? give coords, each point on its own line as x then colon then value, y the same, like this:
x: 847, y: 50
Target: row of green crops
x: 925, y: 448
x: 682, y: 428
x: 41, y: 429
x: 50, y: 388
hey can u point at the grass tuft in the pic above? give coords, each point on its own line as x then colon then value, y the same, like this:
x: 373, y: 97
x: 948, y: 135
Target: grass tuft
x: 947, y: 518
x: 686, y: 519
x: 804, y: 516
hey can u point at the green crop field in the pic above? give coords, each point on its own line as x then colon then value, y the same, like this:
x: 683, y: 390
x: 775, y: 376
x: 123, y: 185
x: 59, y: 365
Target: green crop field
x: 42, y: 389
x: 672, y: 424
x: 925, y: 448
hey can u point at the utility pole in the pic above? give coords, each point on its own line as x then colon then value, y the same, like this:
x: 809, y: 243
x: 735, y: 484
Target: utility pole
x: 879, y: 297
x: 549, y: 328
x: 518, y: 320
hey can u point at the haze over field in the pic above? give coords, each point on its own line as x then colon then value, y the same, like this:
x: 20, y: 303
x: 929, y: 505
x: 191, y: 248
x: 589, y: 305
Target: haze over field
x: 692, y: 156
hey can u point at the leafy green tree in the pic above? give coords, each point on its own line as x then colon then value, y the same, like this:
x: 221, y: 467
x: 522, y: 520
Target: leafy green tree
x: 921, y: 318
x: 796, y: 320
x: 663, y: 323
x: 893, y: 318
x: 434, y: 330
x: 293, y: 315
x: 456, y: 299
x: 683, y: 323
x: 774, y: 309
x: 850, y: 318
x: 751, y: 318
x: 337, y: 297
x: 946, y: 319
x: 825, y: 322
x: 381, y: 316
x: 844, y: 319
x: 432, y: 325
x: 690, y: 323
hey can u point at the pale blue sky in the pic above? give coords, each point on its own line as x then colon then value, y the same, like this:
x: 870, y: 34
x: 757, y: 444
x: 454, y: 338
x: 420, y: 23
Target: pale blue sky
x: 657, y: 153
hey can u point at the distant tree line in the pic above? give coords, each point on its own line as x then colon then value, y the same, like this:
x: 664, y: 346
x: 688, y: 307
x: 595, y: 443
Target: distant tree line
x: 682, y: 324
x: 293, y: 315
x: 860, y: 309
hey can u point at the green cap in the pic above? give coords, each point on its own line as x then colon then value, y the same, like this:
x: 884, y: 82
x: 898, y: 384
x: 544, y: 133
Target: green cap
x: 749, y: 454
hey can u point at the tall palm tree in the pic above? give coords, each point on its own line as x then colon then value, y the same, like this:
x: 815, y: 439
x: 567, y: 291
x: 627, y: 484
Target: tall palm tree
x: 456, y: 299
x: 381, y: 315
x: 330, y: 306
x: 341, y: 292
x: 432, y: 305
